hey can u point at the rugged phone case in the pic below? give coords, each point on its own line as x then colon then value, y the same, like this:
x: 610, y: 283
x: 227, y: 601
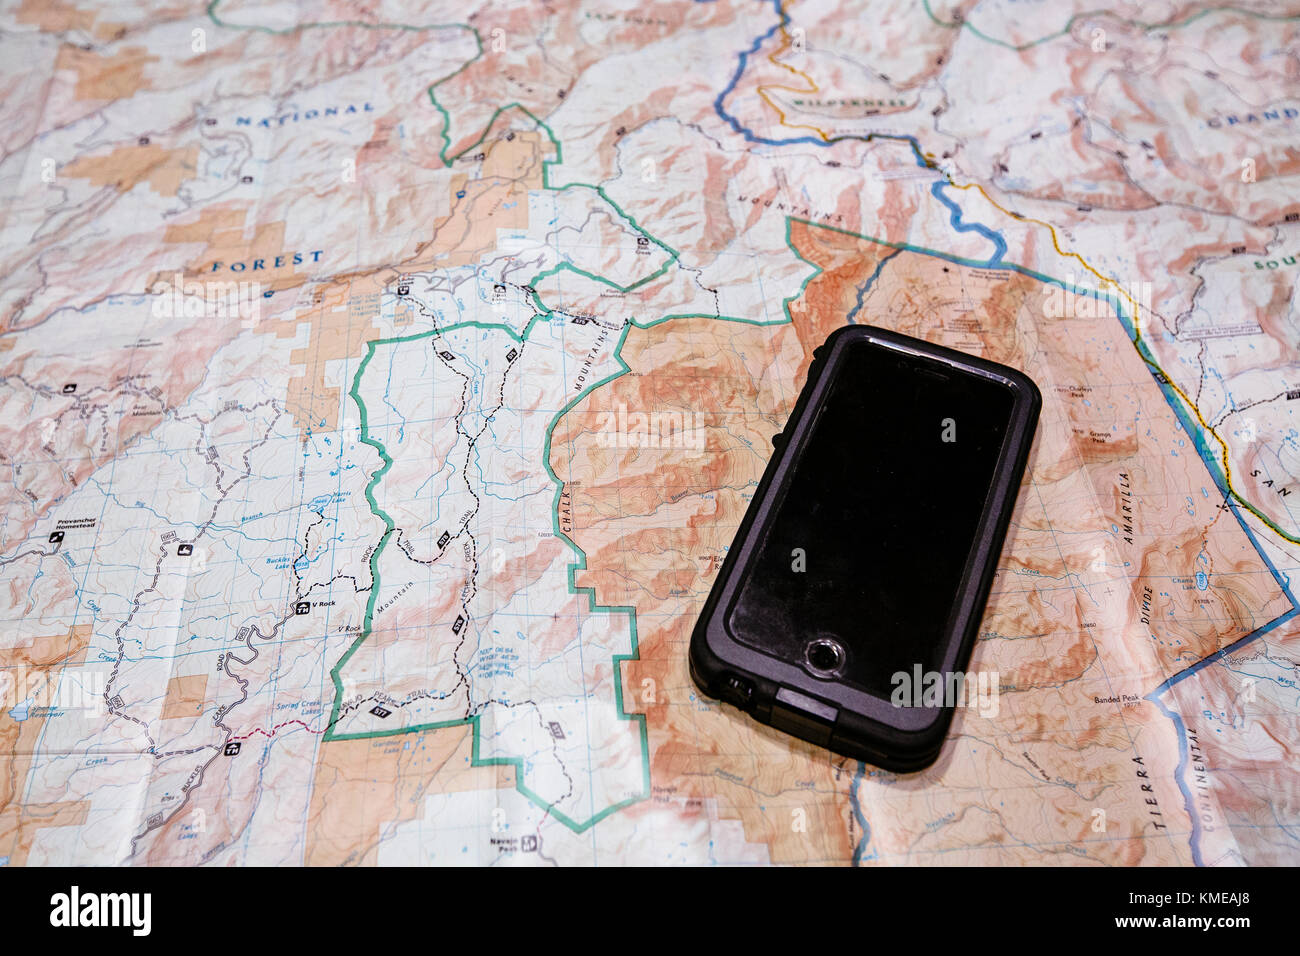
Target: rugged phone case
x: 834, y: 715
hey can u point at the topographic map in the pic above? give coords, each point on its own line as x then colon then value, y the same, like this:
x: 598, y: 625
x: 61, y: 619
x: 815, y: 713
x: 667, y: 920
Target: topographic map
x: 382, y: 385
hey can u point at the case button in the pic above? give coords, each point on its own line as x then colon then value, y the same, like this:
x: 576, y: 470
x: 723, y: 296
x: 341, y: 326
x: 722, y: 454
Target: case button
x: 737, y: 690
x: 803, y: 716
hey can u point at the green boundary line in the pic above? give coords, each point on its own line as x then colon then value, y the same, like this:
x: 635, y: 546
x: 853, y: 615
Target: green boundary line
x: 543, y: 313
x: 1130, y: 329
x: 1069, y: 24
x: 571, y: 571
x: 673, y: 255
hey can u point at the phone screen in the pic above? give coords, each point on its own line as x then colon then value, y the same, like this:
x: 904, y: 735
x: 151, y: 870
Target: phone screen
x: 858, y: 569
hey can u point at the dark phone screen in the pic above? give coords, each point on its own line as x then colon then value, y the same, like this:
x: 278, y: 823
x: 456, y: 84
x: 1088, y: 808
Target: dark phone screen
x: 859, y: 567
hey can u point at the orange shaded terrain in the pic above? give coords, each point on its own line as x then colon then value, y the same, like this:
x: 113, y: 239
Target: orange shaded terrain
x: 99, y: 77
x: 39, y: 663
x: 127, y: 166
x: 1094, y: 604
x: 362, y: 786
x: 342, y: 312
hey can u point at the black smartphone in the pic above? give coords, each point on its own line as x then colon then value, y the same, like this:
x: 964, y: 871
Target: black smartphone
x: 846, y: 609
